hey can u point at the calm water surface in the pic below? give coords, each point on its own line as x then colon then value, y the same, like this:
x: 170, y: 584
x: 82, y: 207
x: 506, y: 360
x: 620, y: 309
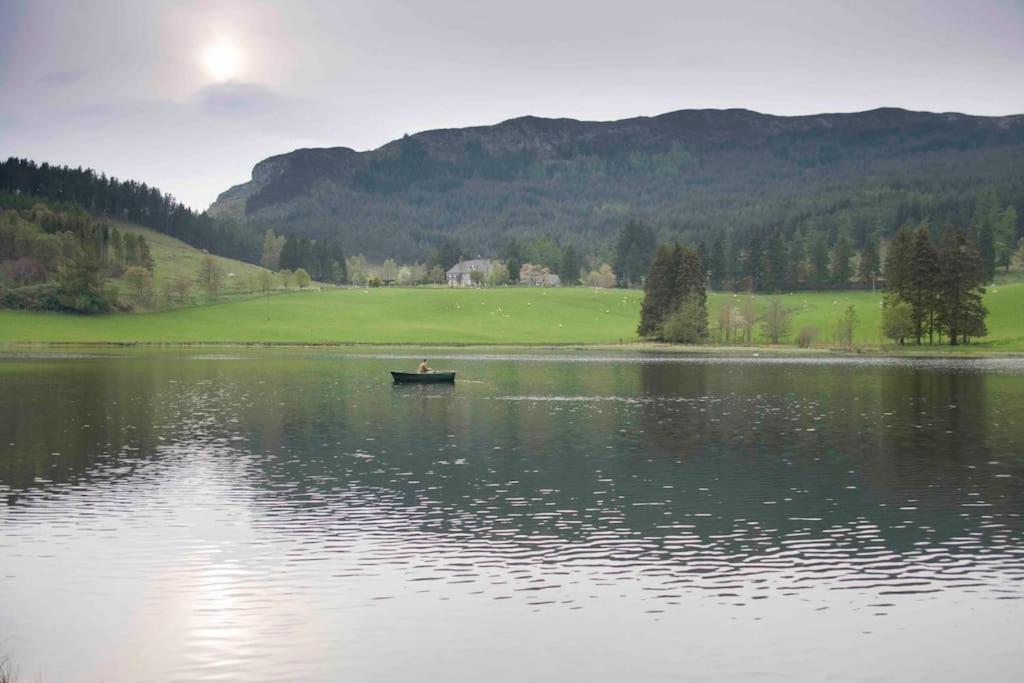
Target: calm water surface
x: 292, y: 516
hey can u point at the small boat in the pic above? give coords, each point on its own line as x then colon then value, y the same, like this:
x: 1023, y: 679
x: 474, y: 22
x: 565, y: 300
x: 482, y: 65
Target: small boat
x: 423, y: 377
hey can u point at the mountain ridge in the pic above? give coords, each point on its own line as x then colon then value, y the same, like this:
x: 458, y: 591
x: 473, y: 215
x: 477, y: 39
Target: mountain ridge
x: 534, y: 175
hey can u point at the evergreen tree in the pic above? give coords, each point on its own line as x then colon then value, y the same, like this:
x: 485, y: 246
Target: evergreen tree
x: 659, y: 289
x: 1005, y: 232
x: 778, y: 263
x: 867, y: 268
x: 818, y: 259
x: 754, y: 263
x: 897, y: 263
x: 841, y: 261
x: 569, y: 269
x: 513, y: 256
x: 689, y: 303
x: 716, y: 264
x: 633, y: 252
x: 921, y: 290
x: 290, y: 257
x: 446, y: 255
x: 795, y: 263
x: 306, y: 260
x: 960, y: 310
x: 987, y: 251
x: 82, y: 280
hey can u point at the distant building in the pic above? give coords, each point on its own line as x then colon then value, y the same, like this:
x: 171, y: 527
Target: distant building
x: 460, y: 275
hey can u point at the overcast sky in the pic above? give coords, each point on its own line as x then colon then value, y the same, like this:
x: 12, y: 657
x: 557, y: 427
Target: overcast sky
x: 189, y: 95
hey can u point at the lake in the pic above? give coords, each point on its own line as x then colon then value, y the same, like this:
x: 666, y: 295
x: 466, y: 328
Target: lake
x: 290, y: 515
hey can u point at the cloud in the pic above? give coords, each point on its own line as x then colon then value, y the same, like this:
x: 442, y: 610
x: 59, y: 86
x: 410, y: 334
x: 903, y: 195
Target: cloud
x: 64, y: 77
x: 238, y: 97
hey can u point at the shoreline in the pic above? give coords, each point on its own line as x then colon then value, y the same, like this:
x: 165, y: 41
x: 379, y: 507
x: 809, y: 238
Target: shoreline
x: 923, y: 352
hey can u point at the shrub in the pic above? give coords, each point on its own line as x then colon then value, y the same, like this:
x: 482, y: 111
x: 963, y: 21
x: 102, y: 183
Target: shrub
x: 897, y: 322
x: 34, y: 298
x: 806, y: 336
x: 374, y: 281
x: 688, y: 324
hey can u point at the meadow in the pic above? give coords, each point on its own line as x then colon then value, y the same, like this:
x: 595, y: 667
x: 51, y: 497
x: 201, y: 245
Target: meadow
x: 436, y: 315
x: 176, y: 259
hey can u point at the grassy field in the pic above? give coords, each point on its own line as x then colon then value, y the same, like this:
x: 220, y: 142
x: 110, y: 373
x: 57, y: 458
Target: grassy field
x: 174, y: 258
x: 450, y: 316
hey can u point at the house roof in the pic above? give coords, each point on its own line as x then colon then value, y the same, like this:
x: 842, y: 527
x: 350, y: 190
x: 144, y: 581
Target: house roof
x: 464, y: 267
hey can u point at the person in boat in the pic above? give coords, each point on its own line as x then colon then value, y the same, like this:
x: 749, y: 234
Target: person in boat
x: 424, y: 368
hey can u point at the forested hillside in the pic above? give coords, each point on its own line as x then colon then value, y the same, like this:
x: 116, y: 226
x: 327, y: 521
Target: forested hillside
x: 128, y: 201
x: 698, y: 176
x: 56, y: 257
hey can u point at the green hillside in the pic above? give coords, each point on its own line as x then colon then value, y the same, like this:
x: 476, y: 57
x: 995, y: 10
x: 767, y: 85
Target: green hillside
x: 446, y: 316
x: 175, y: 259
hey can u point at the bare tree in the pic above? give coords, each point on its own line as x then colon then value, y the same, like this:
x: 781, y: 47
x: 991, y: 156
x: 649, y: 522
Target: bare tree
x: 775, y: 323
x: 211, y: 276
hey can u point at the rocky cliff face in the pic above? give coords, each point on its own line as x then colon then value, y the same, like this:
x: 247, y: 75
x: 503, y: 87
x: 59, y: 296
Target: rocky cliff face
x: 691, y: 170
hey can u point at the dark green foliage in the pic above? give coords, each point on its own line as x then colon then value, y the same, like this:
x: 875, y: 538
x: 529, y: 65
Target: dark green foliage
x: 44, y: 297
x: 687, y: 323
x: 446, y: 255
x: 128, y: 201
x: 921, y: 291
x: 55, y: 261
x: 897, y: 321
x: 841, y: 261
x: 716, y: 264
x: 867, y: 266
x: 675, y: 297
x: 659, y: 289
x: 81, y: 283
x: 897, y: 263
x: 322, y: 260
x: 569, y: 270
x: 961, y: 314
x: 633, y: 252
x: 777, y: 258
x: 987, y: 251
x: 754, y: 265
x: 692, y: 176
x: 513, y: 257
x: 934, y: 290
x: 819, y: 259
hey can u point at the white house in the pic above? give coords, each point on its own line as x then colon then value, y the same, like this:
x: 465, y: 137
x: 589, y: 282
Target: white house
x: 459, y: 274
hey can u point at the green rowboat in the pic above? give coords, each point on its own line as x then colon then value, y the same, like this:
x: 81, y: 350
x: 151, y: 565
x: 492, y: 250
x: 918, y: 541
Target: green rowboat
x: 423, y: 377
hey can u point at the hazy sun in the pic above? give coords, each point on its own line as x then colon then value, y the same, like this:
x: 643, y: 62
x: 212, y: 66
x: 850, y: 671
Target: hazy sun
x: 222, y: 60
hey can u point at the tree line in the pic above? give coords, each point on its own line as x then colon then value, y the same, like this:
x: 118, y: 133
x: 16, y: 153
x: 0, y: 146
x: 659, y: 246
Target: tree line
x: 322, y: 260
x: 61, y: 260
x: 128, y: 201
x: 934, y: 289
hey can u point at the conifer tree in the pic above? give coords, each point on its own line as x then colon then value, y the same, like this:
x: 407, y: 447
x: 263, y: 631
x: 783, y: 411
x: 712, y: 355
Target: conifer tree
x: 868, y: 266
x: 716, y: 264
x: 841, y: 261
x: 897, y: 263
x: 818, y: 258
x: 922, y: 286
x: 960, y: 310
x: 659, y: 289
x: 777, y: 259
